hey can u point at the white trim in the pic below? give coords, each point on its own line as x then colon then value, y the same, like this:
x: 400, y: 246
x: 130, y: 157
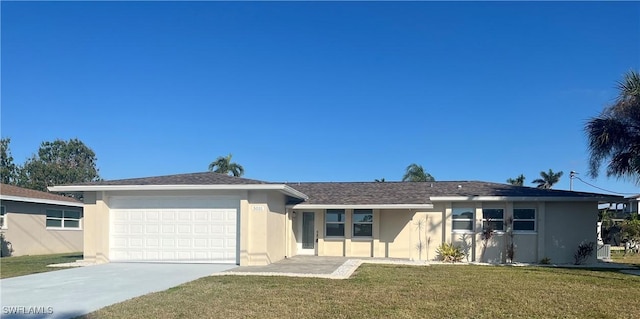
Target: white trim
x: 364, y: 206
x: 89, y: 188
x: 517, y: 199
x: 63, y: 220
x: 4, y: 218
x: 524, y: 232
x: 40, y: 201
x: 63, y: 228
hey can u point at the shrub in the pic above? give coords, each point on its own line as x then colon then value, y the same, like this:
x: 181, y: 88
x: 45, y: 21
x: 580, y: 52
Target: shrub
x: 545, y: 261
x: 449, y: 253
x: 583, y: 252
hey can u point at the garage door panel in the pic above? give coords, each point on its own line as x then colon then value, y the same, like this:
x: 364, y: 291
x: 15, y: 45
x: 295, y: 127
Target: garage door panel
x: 193, y: 233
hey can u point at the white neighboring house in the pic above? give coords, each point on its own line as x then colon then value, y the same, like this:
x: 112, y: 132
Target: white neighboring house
x: 632, y: 207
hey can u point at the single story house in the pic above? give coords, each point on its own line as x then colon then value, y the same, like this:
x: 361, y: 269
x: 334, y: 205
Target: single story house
x: 209, y: 217
x: 36, y: 223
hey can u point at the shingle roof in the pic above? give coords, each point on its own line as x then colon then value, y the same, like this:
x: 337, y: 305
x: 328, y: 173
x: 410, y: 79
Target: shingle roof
x: 372, y: 193
x: 204, y: 178
x: 10, y: 190
x: 364, y: 193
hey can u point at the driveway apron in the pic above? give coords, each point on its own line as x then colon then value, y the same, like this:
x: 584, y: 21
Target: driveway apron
x: 73, y: 292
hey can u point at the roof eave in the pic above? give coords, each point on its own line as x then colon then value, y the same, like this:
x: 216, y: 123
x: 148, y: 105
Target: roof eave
x: 41, y: 201
x: 102, y: 188
x: 360, y: 206
x: 524, y: 198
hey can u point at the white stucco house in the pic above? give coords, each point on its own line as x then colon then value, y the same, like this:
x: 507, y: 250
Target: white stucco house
x: 209, y: 217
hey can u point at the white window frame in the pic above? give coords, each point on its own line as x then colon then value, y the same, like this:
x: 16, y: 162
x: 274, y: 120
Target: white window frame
x: 472, y: 219
x: 534, y: 220
x: 3, y: 213
x: 63, y: 220
x: 327, y: 222
x: 354, y: 223
x: 501, y: 220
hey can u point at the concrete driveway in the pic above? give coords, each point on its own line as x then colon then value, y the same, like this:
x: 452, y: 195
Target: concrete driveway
x: 73, y: 292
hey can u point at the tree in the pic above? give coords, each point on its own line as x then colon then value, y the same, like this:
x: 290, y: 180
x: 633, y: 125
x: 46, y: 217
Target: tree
x: 518, y: 181
x: 614, y: 135
x: 223, y: 165
x: 415, y: 173
x: 57, y: 163
x: 379, y: 180
x: 548, y: 179
x: 8, y: 170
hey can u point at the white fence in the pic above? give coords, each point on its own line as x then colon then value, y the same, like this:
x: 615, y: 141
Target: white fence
x: 604, y: 252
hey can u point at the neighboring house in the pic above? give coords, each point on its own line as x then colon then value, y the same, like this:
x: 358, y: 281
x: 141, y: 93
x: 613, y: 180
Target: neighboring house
x: 209, y: 217
x: 35, y: 223
x: 633, y: 204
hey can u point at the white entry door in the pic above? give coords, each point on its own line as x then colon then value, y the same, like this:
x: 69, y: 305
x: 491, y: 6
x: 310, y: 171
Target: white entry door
x: 307, y: 244
x: 173, y: 229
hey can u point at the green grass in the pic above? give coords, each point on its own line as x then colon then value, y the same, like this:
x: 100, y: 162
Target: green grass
x: 385, y: 291
x: 26, y: 265
x: 631, y: 259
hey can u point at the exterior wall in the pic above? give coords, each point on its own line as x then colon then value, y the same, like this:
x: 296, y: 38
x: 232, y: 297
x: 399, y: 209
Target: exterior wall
x: 395, y: 233
x: 262, y: 223
x: 26, y: 230
x: 276, y: 227
x: 96, y: 221
x: 416, y: 235
x: 429, y: 235
x: 566, y: 226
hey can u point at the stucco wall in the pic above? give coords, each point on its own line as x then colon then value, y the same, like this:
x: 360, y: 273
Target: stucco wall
x: 28, y: 235
x: 566, y: 226
x: 276, y: 227
x: 395, y: 233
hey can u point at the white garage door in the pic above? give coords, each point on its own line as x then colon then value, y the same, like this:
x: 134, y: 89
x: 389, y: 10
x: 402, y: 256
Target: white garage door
x: 173, y: 229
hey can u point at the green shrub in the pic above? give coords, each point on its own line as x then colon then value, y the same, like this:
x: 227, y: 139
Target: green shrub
x: 545, y: 261
x: 449, y: 253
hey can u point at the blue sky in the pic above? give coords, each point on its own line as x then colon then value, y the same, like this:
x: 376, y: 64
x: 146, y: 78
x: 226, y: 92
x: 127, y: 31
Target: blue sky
x: 318, y: 91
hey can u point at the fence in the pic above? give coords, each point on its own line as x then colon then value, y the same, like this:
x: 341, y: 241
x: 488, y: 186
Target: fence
x: 604, y: 252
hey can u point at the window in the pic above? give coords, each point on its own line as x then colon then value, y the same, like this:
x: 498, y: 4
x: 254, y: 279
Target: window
x: 463, y: 218
x: 334, y: 223
x: 3, y: 217
x: 524, y: 219
x: 362, y: 223
x: 63, y: 219
x: 493, y: 218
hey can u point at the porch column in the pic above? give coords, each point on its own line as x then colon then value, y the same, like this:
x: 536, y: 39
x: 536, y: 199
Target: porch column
x: 348, y: 216
x: 540, y: 221
x: 376, y: 234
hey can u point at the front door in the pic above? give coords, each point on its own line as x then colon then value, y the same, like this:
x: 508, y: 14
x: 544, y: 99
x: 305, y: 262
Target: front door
x: 308, y: 234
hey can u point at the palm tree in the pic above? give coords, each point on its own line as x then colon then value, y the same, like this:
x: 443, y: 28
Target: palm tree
x: 415, y: 173
x: 518, y: 181
x: 548, y: 179
x: 614, y: 135
x: 223, y: 165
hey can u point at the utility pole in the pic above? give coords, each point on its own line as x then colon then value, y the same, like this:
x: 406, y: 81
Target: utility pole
x: 572, y: 175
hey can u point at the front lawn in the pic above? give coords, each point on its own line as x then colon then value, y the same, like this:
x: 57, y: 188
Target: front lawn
x: 386, y: 291
x: 26, y: 265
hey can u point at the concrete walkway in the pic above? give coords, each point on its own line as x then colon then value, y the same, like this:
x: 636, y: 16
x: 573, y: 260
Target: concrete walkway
x: 314, y: 266
x: 74, y: 292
